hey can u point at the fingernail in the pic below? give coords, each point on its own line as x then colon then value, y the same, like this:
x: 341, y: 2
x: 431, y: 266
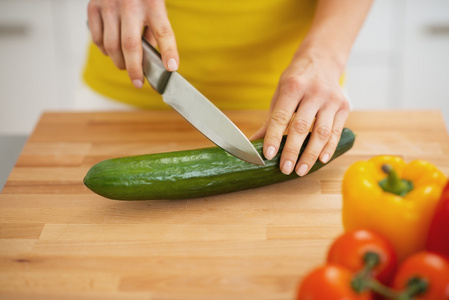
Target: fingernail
x: 287, y: 168
x: 270, y: 152
x: 302, y: 170
x: 137, y: 83
x: 172, y: 65
x: 325, y: 158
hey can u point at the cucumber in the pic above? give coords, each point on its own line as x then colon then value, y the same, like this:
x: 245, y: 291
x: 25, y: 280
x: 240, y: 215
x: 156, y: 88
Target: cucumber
x: 191, y: 173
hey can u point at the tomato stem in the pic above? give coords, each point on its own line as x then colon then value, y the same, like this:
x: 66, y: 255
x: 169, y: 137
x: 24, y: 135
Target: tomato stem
x: 415, y: 286
x: 381, y: 289
x: 359, y: 282
x: 363, y: 281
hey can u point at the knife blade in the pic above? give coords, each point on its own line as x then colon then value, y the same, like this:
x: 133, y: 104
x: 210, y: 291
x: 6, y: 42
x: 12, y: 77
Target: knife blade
x: 184, y: 98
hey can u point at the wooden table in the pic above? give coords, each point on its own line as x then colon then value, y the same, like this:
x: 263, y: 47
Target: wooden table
x: 58, y: 240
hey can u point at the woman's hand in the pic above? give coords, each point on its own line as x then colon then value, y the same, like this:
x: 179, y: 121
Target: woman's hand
x: 116, y: 27
x: 308, y: 98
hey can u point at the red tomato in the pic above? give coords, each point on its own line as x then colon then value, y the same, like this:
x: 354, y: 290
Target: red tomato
x: 329, y: 282
x: 350, y: 248
x: 432, y: 267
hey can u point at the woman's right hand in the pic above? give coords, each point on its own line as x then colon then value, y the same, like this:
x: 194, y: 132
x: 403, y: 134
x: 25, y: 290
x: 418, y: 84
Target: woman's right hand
x: 116, y: 28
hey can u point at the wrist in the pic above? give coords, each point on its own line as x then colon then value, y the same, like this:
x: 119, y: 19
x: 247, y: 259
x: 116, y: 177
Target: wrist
x: 333, y: 31
x: 333, y: 59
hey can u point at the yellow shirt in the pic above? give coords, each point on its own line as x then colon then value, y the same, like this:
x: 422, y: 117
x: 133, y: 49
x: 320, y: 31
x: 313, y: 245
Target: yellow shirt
x: 232, y: 51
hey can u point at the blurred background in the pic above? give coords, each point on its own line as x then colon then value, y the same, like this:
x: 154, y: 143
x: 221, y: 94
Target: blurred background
x: 400, y: 60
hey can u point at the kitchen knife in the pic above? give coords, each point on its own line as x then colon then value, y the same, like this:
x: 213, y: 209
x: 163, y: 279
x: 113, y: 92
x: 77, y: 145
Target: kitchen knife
x: 196, y: 108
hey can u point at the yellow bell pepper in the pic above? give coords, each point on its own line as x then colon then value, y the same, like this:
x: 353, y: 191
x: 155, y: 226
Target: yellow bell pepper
x: 392, y: 198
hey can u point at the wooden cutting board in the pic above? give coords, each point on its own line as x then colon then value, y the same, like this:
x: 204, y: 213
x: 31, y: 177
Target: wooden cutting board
x: 58, y: 240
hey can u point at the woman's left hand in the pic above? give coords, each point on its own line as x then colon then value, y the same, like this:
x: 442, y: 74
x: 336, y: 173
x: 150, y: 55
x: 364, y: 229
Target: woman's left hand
x: 308, y: 98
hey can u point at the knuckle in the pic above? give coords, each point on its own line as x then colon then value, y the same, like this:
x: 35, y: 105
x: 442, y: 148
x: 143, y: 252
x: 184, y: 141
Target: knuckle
x: 280, y: 118
x: 130, y: 44
x: 344, y: 104
x: 336, y: 131
x: 331, y: 145
x: 109, y: 7
x: 163, y: 31
x: 309, y: 157
x: 300, y: 126
x: 336, y: 98
x: 323, y: 132
x: 339, y: 99
x: 271, y: 138
x: 154, y: 4
x: 92, y: 7
x: 290, y: 152
x: 321, y: 90
x: 167, y: 49
x: 111, y: 47
x: 291, y: 85
x: 134, y: 71
x: 129, y: 5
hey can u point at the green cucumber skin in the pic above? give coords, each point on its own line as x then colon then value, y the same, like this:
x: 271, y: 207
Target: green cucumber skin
x: 191, y: 173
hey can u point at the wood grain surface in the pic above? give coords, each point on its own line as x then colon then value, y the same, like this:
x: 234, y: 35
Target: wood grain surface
x: 58, y: 240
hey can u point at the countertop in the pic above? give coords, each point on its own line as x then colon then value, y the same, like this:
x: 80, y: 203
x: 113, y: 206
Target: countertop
x: 58, y: 240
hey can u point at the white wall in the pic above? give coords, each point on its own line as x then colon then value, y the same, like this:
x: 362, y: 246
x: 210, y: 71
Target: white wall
x: 42, y: 49
x: 400, y: 60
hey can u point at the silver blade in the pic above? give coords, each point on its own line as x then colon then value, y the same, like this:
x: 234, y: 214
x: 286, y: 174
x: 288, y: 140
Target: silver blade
x: 208, y: 119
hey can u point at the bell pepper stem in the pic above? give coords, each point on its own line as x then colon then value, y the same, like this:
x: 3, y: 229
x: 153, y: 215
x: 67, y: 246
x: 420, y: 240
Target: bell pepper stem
x: 393, y: 183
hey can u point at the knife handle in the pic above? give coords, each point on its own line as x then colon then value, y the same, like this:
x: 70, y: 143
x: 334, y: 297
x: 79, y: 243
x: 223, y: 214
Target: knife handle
x: 153, y: 68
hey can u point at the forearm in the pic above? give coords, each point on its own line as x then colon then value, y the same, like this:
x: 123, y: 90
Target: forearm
x: 334, y: 29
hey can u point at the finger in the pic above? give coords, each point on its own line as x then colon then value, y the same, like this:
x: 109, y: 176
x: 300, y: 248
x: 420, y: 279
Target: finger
x: 263, y: 129
x: 132, y: 46
x: 289, y: 96
x: 111, y: 38
x: 161, y: 29
x: 95, y: 25
x: 297, y: 133
x: 319, y: 137
x: 339, y: 122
